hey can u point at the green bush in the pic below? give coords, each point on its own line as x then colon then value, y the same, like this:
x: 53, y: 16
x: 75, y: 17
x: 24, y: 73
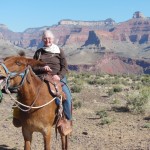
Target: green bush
x: 77, y: 105
x: 114, y: 90
x: 76, y: 89
x: 115, y: 81
x: 96, y: 81
x: 138, y: 101
x: 102, y: 113
x: 117, y: 89
x: 106, y: 121
x: 110, y: 92
x: 147, y: 125
x: 146, y: 80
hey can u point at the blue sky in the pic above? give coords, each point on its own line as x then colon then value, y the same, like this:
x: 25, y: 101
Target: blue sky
x: 19, y: 15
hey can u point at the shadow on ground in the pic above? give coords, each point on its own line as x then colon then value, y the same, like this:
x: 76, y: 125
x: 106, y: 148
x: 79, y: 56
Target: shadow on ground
x: 5, y: 147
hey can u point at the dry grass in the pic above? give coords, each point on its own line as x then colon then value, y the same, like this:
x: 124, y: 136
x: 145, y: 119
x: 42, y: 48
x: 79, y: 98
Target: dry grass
x: 100, y: 121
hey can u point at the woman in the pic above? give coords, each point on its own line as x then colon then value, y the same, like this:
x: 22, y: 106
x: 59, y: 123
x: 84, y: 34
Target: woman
x: 56, y: 63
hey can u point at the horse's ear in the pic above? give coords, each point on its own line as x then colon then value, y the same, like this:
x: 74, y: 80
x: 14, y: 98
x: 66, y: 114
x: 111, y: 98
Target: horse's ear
x: 21, y: 53
x: 8, y: 57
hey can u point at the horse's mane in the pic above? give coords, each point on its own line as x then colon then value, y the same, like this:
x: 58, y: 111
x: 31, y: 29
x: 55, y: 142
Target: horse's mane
x: 22, y: 59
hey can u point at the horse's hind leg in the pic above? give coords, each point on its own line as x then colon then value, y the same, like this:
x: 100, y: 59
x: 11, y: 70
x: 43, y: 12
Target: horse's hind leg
x: 64, y: 140
x: 27, y: 139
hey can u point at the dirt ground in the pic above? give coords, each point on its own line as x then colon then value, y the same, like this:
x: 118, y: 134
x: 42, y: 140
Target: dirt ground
x: 120, y: 131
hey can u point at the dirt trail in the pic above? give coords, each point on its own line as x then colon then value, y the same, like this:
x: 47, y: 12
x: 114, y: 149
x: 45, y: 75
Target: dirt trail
x: 125, y: 131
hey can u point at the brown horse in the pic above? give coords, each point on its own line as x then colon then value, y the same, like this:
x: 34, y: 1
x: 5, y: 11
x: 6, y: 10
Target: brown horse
x: 32, y: 93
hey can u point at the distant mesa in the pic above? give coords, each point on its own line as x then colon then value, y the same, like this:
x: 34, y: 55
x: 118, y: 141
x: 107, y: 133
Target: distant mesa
x: 138, y: 14
x: 2, y: 26
x: 108, y: 21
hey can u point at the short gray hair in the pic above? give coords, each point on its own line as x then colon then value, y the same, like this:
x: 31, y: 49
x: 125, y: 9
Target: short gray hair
x: 49, y: 33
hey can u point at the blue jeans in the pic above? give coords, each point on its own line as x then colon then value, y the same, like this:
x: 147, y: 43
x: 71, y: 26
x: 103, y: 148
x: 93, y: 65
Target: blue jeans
x: 67, y: 104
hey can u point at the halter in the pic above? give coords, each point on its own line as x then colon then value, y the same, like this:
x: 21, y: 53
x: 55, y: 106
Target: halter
x: 11, y: 75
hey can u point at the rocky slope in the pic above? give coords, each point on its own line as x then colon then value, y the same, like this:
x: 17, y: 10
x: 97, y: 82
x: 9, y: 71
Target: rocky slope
x: 85, y: 41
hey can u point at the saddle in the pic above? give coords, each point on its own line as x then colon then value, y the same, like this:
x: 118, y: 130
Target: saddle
x: 54, y: 86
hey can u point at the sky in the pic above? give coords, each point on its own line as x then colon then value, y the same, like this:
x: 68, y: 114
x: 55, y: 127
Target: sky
x: 19, y: 15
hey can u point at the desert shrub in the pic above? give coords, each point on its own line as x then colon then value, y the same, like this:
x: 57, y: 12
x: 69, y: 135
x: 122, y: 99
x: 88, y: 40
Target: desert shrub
x: 75, y: 83
x: 133, y: 77
x: 85, y: 75
x: 110, y: 92
x: 75, y: 88
x: 115, y: 80
x: 138, y: 101
x: 124, y: 75
x: 92, y: 81
x: 135, y: 86
x: 102, y: 113
x: 117, y: 76
x: 127, y: 79
x: 106, y: 121
x: 117, y: 89
x: 77, y: 76
x: 101, y: 75
x: 97, y: 81
x: 138, y: 86
x: 114, y: 90
x: 74, y: 99
x: 103, y: 82
x: 138, y: 78
x: 124, y: 82
x: 146, y: 80
x: 147, y: 125
x: 77, y: 104
x: 115, y: 101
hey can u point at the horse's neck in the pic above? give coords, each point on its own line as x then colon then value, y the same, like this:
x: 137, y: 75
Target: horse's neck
x: 31, y: 87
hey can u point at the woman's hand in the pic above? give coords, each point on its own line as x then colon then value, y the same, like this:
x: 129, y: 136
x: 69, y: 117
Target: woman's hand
x: 56, y: 77
x: 47, y: 68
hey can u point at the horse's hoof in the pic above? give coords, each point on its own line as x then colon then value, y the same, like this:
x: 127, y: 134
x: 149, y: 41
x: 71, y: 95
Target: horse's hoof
x: 16, y: 122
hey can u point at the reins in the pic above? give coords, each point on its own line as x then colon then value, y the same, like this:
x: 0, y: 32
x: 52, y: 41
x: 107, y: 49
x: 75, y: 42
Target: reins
x: 31, y: 107
x: 23, y: 74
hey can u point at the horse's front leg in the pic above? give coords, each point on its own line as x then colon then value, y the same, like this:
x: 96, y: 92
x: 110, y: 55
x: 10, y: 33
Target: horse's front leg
x: 27, y: 139
x: 47, y: 138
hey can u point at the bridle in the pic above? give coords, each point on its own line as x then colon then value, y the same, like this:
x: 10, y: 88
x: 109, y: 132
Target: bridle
x: 23, y: 74
x: 11, y: 75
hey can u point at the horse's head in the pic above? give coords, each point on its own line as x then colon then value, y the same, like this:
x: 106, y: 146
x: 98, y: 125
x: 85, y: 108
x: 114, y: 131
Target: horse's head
x: 19, y: 63
x: 15, y: 67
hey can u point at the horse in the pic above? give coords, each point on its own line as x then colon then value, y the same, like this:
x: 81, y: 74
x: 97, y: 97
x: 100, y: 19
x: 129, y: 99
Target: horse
x: 39, y: 113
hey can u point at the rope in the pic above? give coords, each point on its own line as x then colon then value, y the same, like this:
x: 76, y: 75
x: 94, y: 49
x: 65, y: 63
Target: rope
x: 30, y: 107
x: 33, y: 101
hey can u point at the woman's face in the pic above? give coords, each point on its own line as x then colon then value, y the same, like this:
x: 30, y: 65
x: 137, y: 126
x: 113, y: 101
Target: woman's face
x: 48, y: 40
